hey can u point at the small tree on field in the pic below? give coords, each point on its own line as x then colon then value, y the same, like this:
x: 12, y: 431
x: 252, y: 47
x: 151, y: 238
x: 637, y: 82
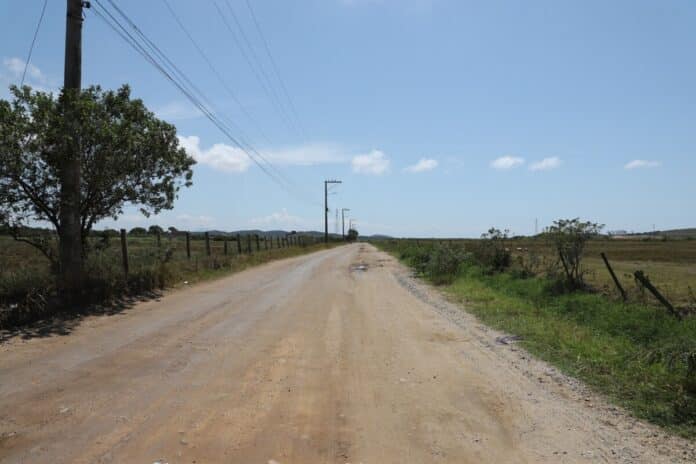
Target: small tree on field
x: 568, y: 237
x: 138, y: 231
x: 154, y: 230
x: 126, y: 155
x: 493, y: 250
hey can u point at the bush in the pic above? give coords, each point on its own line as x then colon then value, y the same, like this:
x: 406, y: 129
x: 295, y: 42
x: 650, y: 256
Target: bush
x: 492, y: 252
x: 444, y: 263
x: 568, y: 237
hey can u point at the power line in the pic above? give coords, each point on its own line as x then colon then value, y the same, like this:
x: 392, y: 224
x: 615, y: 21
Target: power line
x: 175, y: 75
x: 215, y: 70
x: 275, y: 67
x: 33, y: 41
x: 256, y: 66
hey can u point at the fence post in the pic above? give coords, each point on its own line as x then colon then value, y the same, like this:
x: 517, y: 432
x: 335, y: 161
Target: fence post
x: 124, y: 252
x: 643, y: 279
x: 159, y: 238
x: 613, y: 276
x: 265, y: 242
x: 188, y: 245
x: 248, y: 243
x: 258, y: 245
x: 225, y: 245
x: 239, y: 245
x: 207, y: 244
x: 278, y: 242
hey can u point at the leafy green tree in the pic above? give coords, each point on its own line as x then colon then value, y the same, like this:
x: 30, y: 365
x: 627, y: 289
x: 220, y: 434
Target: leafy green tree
x: 493, y: 251
x: 127, y: 156
x: 154, y: 230
x: 138, y: 231
x: 568, y: 237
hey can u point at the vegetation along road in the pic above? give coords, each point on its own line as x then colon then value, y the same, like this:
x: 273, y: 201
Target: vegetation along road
x: 335, y: 356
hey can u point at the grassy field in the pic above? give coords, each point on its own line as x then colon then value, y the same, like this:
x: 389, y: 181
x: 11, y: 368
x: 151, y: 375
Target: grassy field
x: 27, y: 286
x: 635, y: 353
x: 670, y: 265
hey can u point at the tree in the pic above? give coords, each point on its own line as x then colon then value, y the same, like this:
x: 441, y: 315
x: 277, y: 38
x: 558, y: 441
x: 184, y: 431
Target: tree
x: 568, y: 237
x: 493, y: 251
x: 137, y: 231
x: 154, y: 230
x: 352, y: 235
x: 127, y: 156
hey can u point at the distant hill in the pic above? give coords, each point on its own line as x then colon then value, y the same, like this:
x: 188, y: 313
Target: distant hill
x: 671, y: 233
x: 681, y: 233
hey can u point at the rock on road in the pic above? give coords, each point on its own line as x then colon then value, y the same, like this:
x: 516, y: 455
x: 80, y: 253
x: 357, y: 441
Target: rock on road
x: 306, y: 360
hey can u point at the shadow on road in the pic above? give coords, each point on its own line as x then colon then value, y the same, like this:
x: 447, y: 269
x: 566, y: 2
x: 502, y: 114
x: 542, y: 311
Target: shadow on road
x: 64, y: 322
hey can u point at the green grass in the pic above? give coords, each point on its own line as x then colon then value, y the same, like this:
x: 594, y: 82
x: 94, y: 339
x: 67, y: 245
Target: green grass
x: 636, y: 354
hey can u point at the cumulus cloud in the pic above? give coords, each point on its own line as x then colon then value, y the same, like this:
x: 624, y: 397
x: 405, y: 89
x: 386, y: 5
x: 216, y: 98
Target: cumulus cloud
x: 280, y: 218
x: 220, y: 156
x: 228, y: 158
x: 546, y: 164
x: 373, y: 163
x: 640, y: 164
x: 11, y: 73
x: 424, y: 164
x: 307, y: 155
x: 507, y: 162
x: 193, y: 221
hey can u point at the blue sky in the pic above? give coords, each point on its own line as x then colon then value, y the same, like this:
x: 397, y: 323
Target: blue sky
x: 441, y: 117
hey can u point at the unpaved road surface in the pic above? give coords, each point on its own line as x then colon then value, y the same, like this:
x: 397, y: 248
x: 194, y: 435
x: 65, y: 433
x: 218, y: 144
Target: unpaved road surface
x: 307, y: 360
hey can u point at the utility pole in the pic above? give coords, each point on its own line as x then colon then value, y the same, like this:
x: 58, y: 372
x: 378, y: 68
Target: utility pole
x: 69, y: 172
x: 343, y: 222
x: 326, y: 207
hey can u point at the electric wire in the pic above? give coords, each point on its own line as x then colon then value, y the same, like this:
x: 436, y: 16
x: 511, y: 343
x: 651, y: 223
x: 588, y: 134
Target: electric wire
x: 33, y: 41
x: 274, y: 66
x: 174, y: 75
x: 215, y: 71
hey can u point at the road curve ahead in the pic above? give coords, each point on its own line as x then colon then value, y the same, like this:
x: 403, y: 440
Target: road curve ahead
x: 333, y: 357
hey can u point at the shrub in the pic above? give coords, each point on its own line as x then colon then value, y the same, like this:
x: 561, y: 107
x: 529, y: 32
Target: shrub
x: 568, y: 237
x: 444, y: 263
x: 493, y: 252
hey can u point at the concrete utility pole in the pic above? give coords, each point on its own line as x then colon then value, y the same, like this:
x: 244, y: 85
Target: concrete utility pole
x: 69, y: 172
x: 326, y: 207
x: 343, y: 222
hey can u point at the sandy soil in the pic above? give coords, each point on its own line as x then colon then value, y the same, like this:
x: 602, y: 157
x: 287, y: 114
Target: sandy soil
x: 313, y: 359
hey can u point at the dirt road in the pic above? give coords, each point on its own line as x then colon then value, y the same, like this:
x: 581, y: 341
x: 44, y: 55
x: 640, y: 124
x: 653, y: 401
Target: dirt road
x: 308, y: 360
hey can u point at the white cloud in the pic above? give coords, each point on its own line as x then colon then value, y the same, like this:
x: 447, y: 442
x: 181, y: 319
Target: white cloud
x: 220, y: 156
x: 228, y: 158
x: 638, y: 164
x: 507, y: 162
x: 192, y: 221
x: 374, y: 163
x: 11, y: 73
x: 307, y: 155
x: 424, y: 164
x: 281, y: 219
x: 546, y: 164
x: 177, y: 111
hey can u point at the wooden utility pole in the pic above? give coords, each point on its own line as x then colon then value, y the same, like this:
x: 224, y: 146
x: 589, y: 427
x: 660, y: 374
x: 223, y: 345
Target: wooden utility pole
x: 69, y: 170
x: 326, y: 207
x: 343, y: 222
